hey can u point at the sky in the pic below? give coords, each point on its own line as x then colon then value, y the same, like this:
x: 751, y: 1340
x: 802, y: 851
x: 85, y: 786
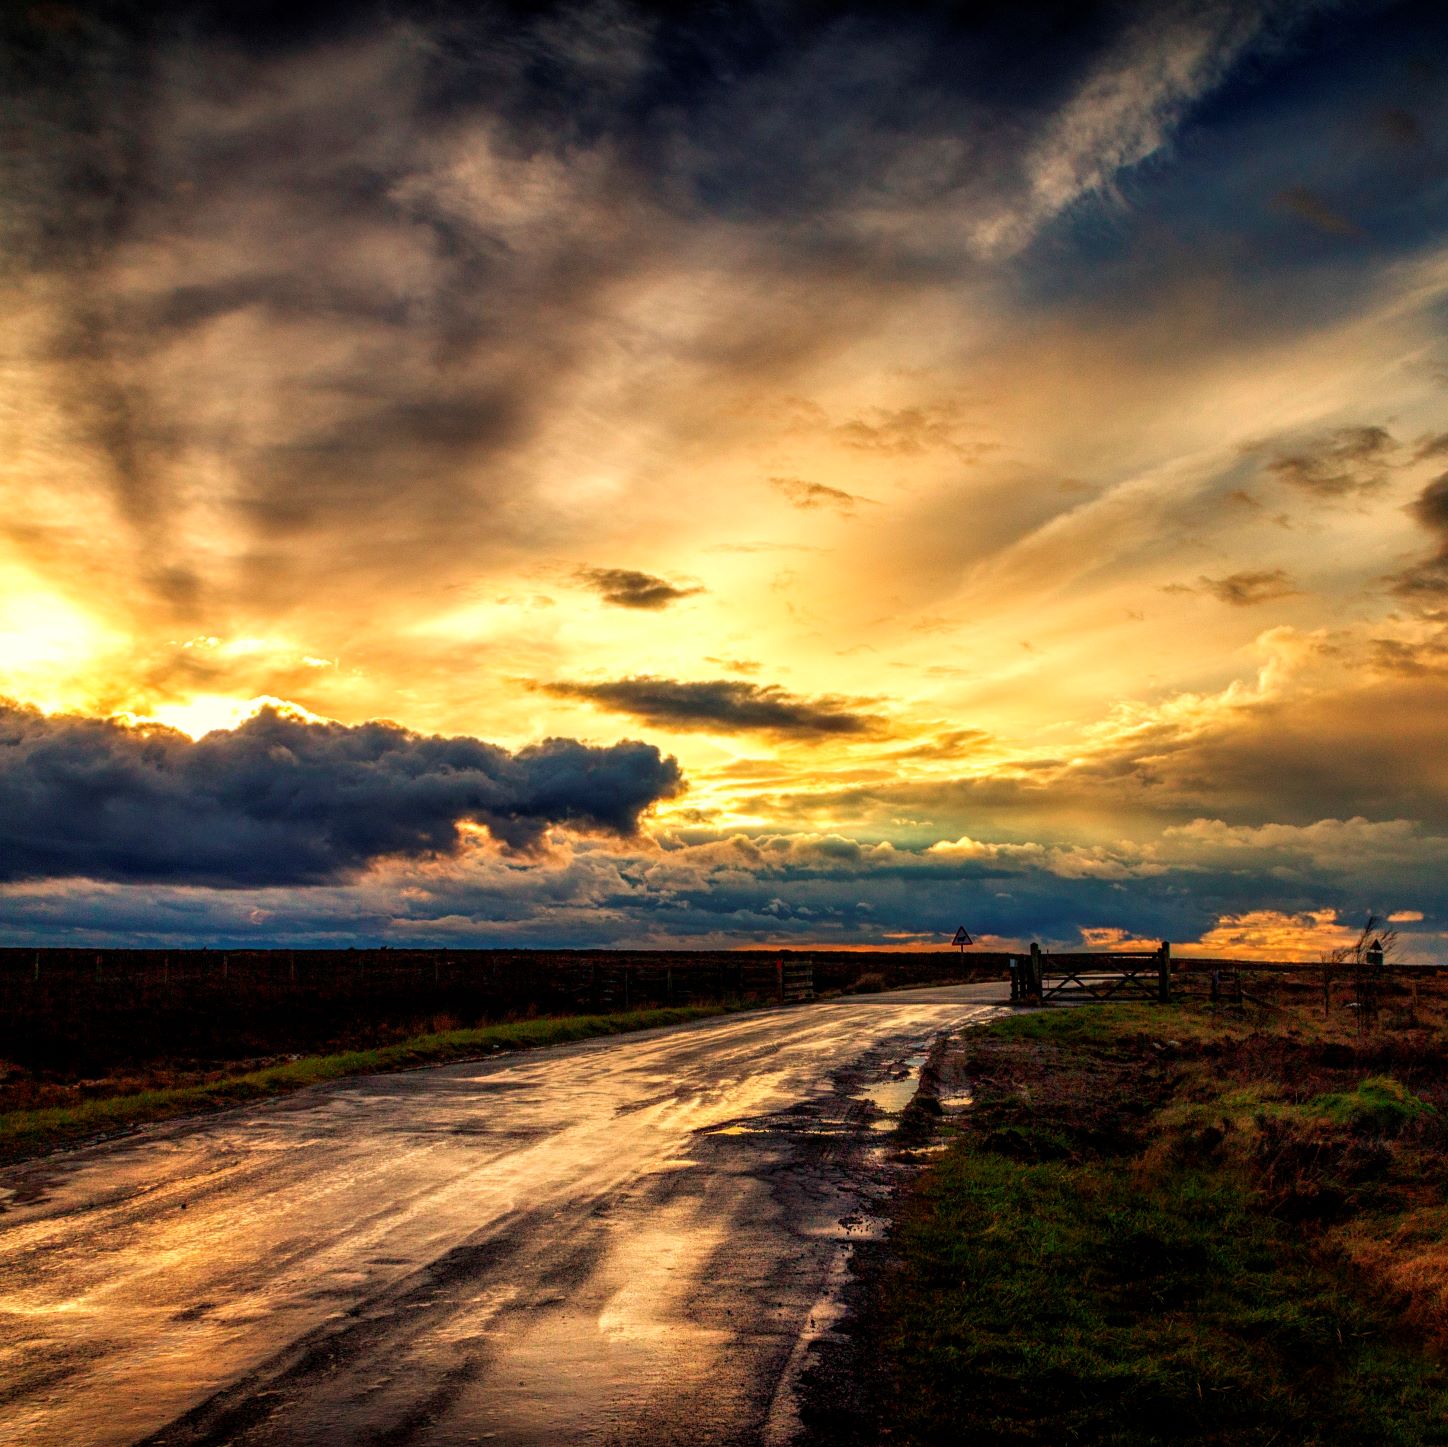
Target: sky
x: 764, y: 473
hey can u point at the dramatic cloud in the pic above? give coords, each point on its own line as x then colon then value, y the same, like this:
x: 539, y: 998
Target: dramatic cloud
x: 1431, y: 508
x: 1369, y: 747
x: 1247, y: 589
x: 818, y: 888
x: 723, y: 706
x: 283, y: 801
x: 1425, y: 583
x: 1428, y: 581
x: 625, y: 588
x: 1127, y: 107
x: 1350, y: 460
x: 963, y: 353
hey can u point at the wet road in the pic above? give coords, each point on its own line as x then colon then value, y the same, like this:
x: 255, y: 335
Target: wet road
x: 630, y: 1240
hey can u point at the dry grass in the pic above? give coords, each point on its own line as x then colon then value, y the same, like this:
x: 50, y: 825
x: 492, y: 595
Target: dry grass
x: 123, y: 1103
x: 1176, y: 1223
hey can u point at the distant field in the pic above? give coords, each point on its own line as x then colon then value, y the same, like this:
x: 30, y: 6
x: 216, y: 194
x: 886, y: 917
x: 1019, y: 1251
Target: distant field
x: 72, y: 1016
x: 92, y: 1040
x: 74, y: 1112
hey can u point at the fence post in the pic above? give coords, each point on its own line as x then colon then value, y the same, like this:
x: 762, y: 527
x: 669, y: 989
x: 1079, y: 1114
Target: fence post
x: 1036, y: 984
x: 37, y: 967
x: 1163, y: 986
x: 1326, y: 989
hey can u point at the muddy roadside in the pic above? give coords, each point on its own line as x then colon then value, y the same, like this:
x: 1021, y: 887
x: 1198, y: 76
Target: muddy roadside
x: 1138, y: 1224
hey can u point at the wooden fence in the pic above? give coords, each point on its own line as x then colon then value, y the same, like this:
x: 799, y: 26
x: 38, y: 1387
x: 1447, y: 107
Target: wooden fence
x: 108, y: 1004
x: 1045, y: 976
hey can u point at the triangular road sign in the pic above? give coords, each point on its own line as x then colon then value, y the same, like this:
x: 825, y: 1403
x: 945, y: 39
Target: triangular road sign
x: 962, y: 938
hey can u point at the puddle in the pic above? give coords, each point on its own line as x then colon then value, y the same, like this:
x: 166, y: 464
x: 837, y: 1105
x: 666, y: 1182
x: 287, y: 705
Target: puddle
x: 958, y: 1099
x: 890, y: 1097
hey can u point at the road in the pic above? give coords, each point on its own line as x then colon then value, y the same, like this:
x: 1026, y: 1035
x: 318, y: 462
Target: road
x: 632, y: 1240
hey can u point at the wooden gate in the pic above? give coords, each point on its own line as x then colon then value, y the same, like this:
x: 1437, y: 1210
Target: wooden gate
x: 784, y: 980
x: 1042, y: 975
x: 796, y: 981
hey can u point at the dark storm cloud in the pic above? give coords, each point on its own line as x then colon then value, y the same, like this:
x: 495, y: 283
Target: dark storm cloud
x: 723, y: 706
x: 1431, y: 508
x: 1425, y: 583
x: 626, y: 588
x: 282, y: 801
x: 355, y: 266
x: 814, y: 888
x: 1428, y: 581
x: 1175, y: 888
x: 1247, y: 589
x: 1347, y: 461
x: 262, y: 255
x: 810, y: 495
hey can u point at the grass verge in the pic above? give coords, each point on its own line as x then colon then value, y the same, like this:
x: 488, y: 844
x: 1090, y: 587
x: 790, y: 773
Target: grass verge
x: 32, y: 1132
x: 1159, y: 1225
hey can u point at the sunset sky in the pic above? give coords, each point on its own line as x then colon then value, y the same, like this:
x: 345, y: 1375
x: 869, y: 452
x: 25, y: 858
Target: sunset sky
x: 805, y: 474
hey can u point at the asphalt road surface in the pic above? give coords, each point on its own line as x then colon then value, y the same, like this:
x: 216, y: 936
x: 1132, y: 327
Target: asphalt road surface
x: 633, y: 1240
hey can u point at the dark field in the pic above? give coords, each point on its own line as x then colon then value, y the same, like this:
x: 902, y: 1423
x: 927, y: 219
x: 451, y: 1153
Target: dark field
x: 82, y: 1023
x: 1170, y: 1223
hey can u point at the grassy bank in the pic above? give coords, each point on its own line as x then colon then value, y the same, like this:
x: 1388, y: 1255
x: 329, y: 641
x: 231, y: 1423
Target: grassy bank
x: 1156, y: 1224
x: 31, y: 1132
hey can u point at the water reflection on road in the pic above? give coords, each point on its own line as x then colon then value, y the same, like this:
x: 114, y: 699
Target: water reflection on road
x: 618, y: 1241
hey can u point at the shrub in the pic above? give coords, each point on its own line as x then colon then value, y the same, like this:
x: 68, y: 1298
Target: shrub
x: 1378, y: 1106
